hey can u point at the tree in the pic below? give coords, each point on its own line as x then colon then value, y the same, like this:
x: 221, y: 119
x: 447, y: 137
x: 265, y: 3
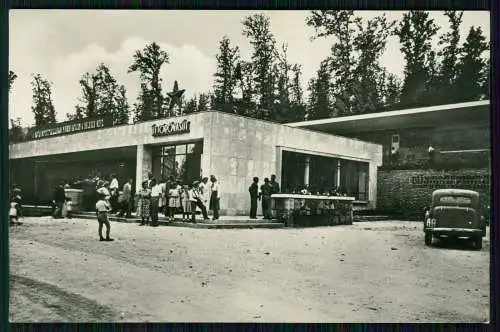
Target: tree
x: 297, y: 105
x: 42, y: 108
x: 203, y: 103
x: 190, y: 106
x: 15, y: 131
x: 319, y: 105
x: 227, y: 76
x: 282, y: 106
x: 415, y: 33
x: 369, y: 76
x: 148, y: 63
x: 12, y: 78
x: 342, y: 26
x: 392, y: 90
x: 472, y: 82
x: 257, y: 28
x: 449, y: 54
x: 102, y: 96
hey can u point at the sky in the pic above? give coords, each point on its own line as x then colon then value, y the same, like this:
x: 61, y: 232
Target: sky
x: 62, y: 45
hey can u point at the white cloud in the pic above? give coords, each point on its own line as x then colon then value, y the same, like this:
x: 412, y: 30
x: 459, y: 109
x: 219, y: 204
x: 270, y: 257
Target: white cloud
x: 188, y: 65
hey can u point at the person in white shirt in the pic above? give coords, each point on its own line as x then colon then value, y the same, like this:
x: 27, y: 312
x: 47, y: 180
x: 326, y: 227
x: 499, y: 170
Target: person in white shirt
x: 215, y: 197
x: 155, y: 198
x: 104, y: 190
x: 174, y: 201
x: 102, y: 208
x: 196, y: 200
x: 205, y: 192
x: 114, y: 192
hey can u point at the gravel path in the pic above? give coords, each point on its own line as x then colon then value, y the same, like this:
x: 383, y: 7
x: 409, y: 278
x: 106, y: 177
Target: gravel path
x: 367, y: 272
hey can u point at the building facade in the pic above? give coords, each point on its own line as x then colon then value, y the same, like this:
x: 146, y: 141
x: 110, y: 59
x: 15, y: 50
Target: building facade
x: 446, y: 146
x: 233, y: 148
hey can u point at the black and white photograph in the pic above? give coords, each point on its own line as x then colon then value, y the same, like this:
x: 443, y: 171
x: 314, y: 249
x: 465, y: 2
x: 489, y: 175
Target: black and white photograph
x: 323, y: 166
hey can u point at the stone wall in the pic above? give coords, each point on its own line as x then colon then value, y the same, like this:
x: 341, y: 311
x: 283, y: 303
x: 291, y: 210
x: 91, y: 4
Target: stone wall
x: 241, y: 148
x: 409, y: 191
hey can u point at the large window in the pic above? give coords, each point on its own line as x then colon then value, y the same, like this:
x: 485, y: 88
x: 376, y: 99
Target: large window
x: 182, y: 161
x: 324, y: 174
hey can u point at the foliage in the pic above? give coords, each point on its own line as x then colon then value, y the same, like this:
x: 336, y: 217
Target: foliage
x: 148, y: 62
x: 415, y: 33
x: 227, y: 76
x: 319, y: 105
x: 43, y: 108
x: 473, y: 74
x: 101, y: 96
x: 12, y: 78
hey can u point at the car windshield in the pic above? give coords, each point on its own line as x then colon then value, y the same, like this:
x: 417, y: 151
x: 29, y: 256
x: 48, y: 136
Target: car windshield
x: 455, y: 200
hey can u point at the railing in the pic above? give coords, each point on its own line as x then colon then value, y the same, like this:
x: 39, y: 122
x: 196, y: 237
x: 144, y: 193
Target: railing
x: 312, y: 210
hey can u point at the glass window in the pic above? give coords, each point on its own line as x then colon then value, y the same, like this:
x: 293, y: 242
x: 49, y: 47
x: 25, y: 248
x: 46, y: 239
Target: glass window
x: 182, y: 161
x: 180, y: 149
x: 180, y: 167
x: 169, y: 150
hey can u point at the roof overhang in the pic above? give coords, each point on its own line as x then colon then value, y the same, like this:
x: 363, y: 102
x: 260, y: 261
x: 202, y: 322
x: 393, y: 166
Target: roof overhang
x: 471, y: 112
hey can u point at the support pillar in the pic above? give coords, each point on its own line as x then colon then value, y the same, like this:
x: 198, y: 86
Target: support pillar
x: 338, y: 173
x: 144, y: 164
x: 306, y: 170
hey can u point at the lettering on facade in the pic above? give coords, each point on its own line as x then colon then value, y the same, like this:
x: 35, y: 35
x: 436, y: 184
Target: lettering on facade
x: 452, y: 181
x: 172, y: 128
x: 69, y: 128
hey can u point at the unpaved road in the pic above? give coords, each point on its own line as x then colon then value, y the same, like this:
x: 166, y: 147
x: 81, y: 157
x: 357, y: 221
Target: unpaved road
x: 367, y: 272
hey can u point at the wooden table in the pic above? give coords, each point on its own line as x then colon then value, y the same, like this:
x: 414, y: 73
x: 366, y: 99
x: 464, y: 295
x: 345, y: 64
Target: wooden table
x: 311, y: 210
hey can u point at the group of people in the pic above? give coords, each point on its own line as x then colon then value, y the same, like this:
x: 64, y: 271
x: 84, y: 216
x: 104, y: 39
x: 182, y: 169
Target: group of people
x: 170, y: 197
x: 263, y: 193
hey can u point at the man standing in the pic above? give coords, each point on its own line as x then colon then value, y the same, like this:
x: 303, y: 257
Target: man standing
x: 214, y: 197
x: 114, y: 191
x: 266, y: 191
x: 274, y: 185
x: 59, y: 199
x: 127, y: 199
x: 197, y: 200
x: 205, y: 191
x: 155, y: 197
x: 254, y: 196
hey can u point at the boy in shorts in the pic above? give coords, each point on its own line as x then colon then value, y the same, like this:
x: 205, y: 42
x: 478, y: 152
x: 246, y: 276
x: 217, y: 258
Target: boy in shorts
x: 102, y: 209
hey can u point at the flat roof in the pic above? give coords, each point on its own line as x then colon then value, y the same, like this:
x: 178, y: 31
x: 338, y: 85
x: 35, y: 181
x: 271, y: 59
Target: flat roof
x: 476, y: 111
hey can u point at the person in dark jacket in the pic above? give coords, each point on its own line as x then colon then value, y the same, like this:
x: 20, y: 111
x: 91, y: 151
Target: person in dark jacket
x: 59, y: 199
x: 266, y: 191
x: 254, y: 196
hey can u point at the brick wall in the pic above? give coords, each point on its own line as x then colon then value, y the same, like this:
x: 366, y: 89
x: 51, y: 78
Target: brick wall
x: 409, y: 191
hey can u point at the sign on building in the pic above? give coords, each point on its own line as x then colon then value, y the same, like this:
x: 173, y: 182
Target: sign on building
x: 171, y: 128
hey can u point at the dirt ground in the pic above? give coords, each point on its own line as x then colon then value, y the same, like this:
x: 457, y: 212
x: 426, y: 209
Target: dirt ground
x: 367, y: 272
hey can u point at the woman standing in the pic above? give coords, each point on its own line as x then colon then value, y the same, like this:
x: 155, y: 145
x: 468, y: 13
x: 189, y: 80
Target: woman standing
x: 174, y: 201
x: 215, y: 197
x: 143, y: 204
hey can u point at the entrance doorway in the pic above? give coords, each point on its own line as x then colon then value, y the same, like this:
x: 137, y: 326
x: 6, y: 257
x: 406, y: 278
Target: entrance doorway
x: 182, y: 161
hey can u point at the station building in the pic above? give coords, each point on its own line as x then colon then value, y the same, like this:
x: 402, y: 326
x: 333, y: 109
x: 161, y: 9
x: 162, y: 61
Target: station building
x: 231, y: 147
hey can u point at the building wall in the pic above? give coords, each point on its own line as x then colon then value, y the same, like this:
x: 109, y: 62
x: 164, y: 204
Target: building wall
x: 414, y: 144
x: 241, y: 148
x: 119, y: 136
x: 409, y: 191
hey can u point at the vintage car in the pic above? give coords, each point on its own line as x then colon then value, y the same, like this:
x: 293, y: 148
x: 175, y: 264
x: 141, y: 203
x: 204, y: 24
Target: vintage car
x: 455, y: 213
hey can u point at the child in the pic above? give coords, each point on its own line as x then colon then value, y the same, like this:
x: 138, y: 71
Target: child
x: 102, y: 209
x: 69, y: 207
x: 186, y: 203
x: 174, y: 201
x: 13, y: 213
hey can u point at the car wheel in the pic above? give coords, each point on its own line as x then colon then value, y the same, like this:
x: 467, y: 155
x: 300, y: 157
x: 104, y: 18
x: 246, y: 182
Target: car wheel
x: 428, y: 238
x: 477, y: 243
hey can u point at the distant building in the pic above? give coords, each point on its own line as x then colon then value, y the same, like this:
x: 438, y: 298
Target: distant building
x: 423, y: 149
